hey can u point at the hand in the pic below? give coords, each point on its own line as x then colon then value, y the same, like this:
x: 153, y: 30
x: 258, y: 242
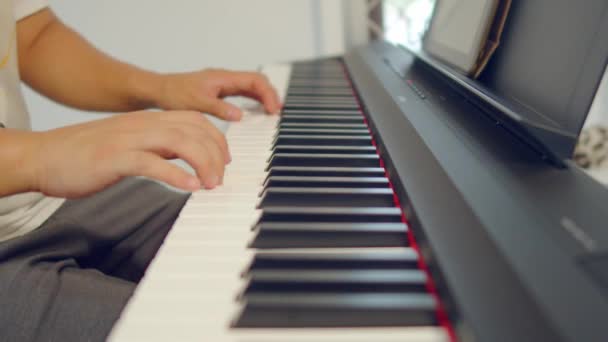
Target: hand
x: 204, y: 90
x: 79, y: 160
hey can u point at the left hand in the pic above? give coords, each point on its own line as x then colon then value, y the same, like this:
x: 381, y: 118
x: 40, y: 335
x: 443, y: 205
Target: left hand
x: 204, y: 91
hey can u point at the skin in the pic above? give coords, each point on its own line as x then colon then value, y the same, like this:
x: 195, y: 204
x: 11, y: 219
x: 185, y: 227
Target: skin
x: 78, y: 160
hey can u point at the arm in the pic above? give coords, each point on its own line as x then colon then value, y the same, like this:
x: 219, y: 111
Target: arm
x: 59, y: 63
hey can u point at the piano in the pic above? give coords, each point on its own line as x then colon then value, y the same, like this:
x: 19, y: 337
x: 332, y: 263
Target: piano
x: 388, y: 202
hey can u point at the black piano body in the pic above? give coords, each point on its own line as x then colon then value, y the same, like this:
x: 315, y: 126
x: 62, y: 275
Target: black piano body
x: 516, y: 244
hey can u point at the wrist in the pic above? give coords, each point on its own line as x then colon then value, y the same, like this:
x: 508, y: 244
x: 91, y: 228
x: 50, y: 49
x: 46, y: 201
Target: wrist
x: 146, y: 89
x: 18, y: 160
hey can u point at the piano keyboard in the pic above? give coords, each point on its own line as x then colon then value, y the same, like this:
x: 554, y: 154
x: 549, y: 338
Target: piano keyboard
x: 324, y: 256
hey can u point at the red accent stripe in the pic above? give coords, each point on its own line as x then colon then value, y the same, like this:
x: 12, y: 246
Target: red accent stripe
x: 441, y: 314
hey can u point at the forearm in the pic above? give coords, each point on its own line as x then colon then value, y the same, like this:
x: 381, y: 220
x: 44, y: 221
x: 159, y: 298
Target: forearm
x: 62, y: 65
x: 16, y: 170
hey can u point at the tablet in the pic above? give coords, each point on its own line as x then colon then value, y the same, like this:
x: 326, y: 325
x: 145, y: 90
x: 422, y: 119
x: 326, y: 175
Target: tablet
x: 458, y: 31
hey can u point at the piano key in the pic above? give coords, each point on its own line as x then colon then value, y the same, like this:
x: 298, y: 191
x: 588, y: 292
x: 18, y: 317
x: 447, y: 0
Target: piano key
x: 344, y: 258
x: 324, y: 149
x: 310, y: 91
x: 329, y: 197
x: 314, y: 99
x: 309, y: 119
x: 331, y: 182
x: 320, y: 112
x: 321, y: 106
x: 322, y: 131
x: 329, y: 214
x: 329, y: 235
x: 321, y: 125
x: 340, y: 140
x: 303, y: 82
x: 320, y: 101
x: 275, y: 281
x: 323, y: 159
x: 326, y: 171
x: 336, y: 310
x: 337, y: 75
x: 194, y: 276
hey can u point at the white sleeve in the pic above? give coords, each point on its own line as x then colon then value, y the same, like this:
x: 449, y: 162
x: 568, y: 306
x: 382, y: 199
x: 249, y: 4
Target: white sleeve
x: 23, y: 8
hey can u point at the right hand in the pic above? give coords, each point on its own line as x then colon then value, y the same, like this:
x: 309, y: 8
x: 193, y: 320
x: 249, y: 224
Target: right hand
x: 82, y: 159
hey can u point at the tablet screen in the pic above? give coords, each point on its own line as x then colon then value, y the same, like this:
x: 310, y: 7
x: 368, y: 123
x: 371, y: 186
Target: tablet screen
x: 456, y: 23
x: 457, y: 30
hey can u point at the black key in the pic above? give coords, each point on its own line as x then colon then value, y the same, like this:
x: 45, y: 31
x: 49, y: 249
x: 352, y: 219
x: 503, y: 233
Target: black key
x: 329, y: 214
x: 329, y: 182
x: 336, y: 74
x: 326, y: 197
x: 329, y: 235
x: 322, y: 159
x: 327, y: 106
x: 324, y: 149
x: 309, y: 119
x: 320, y: 112
x: 320, y: 99
x: 334, y: 281
x: 326, y: 171
x: 336, y: 310
x: 340, y: 84
x: 310, y: 91
x: 402, y: 258
x: 341, y: 140
x: 323, y: 131
x: 322, y: 125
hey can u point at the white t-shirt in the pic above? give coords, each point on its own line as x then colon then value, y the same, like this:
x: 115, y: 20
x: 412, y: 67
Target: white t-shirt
x: 22, y: 213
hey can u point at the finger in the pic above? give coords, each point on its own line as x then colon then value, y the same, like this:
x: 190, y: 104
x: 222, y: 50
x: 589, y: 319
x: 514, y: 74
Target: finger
x: 253, y: 85
x: 216, y: 160
x: 154, y: 167
x: 176, y: 142
x: 220, y: 109
x: 200, y: 128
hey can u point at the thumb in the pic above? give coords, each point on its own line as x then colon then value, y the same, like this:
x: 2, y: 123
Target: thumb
x: 222, y: 110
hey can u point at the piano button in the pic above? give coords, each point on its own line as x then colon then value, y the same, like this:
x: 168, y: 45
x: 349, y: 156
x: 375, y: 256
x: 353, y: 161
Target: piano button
x: 326, y: 197
x: 333, y: 281
x: 388, y: 259
x: 321, y: 159
x: 329, y: 214
x: 324, y: 149
x: 323, y: 131
x: 329, y: 235
x: 336, y: 310
x: 326, y: 171
x: 329, y: 140
x: 330, y: 182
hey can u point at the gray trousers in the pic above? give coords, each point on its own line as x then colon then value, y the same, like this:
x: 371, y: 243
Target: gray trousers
x: 69, y: 279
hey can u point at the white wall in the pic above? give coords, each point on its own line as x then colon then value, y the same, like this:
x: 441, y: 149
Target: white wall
x: 185, y: 35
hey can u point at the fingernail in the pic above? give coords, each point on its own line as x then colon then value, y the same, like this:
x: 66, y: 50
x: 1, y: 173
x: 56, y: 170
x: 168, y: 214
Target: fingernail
x: 212, y: 182
x: 232, y: 114
x: 193, y: 184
